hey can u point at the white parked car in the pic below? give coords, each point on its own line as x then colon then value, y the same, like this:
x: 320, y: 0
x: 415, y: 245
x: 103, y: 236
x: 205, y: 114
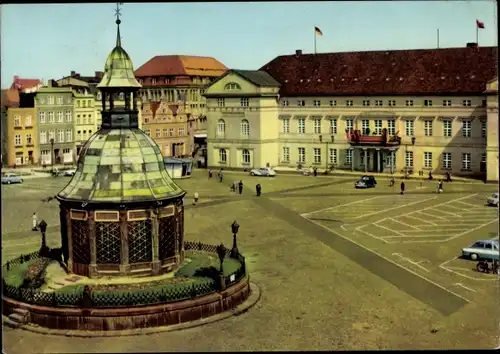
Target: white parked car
x: 70, y: 172
x: 266, y: 171
x: 482, y: 249
x: 493, y: 200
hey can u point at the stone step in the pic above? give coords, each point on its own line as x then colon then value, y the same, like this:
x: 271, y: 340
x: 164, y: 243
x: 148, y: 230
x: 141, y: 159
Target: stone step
x: 21, y: 311
x: 15, y: 317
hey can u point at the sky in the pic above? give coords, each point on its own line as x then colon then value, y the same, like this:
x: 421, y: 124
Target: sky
x: 47, y: 41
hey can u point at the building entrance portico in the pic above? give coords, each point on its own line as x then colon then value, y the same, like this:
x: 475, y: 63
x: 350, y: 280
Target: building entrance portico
x: 373, y: 159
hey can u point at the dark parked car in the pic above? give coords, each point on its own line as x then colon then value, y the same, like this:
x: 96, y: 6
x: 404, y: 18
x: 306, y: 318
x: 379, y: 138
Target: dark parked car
x: 366, y: 182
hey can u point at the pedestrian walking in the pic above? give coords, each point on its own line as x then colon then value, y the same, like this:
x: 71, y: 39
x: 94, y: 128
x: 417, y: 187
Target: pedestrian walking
x: 210, y: 173
x: 35, y: 222
x: 448, y: 176
x: 240, y: 187
x: 440, y: 187
x: 195, y: 198
x: 392, y: 182
x: 315, y: 171
x: 258, y: 189
x: 402, y: 187
x: 221, y: 177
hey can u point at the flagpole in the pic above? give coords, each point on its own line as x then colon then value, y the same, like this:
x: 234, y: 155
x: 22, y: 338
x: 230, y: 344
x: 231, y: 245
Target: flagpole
x: 315, y: 40
x: 477, y: 34
x: 438, y: 38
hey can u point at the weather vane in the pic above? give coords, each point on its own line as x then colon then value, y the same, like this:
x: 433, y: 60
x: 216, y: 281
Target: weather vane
x: 117, y: 11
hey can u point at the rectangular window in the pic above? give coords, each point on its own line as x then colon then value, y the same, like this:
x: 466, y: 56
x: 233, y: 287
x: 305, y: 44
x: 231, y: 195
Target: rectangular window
x: 333, y: 126
x: 446, y: 103
x: 333, y: 103
x: 69, y: 135
x: 466, y: 127
x: 409, y: 103
x: 348, y: 157
x: 427, y: 159
x: 348, y: 103
x: 378, y: 103
x: 286, y: 154
x: 221, y: 102
x: 428, y: 103
x: 317, y: 155
x: 365, y: 125
x: 60, y: 135
x: 147, y: 132
x: 301, y: 103
x: 43, y: 137
x: 17, y: 121
x: 447, y: 160
x: 69, y: 117
x: 29, y: 139
x: 428, y: 127
x: 59, y: 117
x: 181, y: 131
x: 244, y: 102
x: 391, y: 127
x: 27, y: 121
x: 392, y: 103
x: 466, y: 161
x: 466, y: 103
x: 333, y: 157
x: 447, y: 128
x: 18, y: 140
x: 91, y: 120
x: 302, y: 155
x: 51, y: 117
x: 483, y: 129
x: 316, y: 103
x: 409, y: 159
x: 66, y: 151
x: 165, y: 132
x: 366, y: 103
x: 50, y: 99
x: 409, y: 131
x: 302, y: 125
x: 286, y: 125
x: 378, y: 127
x: 158, y: 133
x: 41, y: 115
x: 285, y: 103
x: 171, y: 132
x: 317, y: 125
x: 349, y: 124
x: 59, y: 100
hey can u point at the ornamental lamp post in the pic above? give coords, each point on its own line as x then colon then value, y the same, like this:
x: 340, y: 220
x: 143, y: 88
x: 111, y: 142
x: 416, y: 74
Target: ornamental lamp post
x: 234, y: 228
x: 43, y: 229
x: 52, y: 157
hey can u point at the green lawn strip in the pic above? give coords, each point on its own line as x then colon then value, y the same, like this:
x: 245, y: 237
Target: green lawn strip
x: 16, y: 274
x: 205, y: 259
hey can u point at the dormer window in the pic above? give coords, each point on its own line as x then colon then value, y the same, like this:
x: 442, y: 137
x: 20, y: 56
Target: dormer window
x: 232, y: 86
x: 153, y: 81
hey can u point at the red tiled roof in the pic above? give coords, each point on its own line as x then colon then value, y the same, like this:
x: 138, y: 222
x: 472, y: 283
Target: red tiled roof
x: 181, y: 65
x: 397, y: 72
x: 10, y: 98
x: 23, y: 84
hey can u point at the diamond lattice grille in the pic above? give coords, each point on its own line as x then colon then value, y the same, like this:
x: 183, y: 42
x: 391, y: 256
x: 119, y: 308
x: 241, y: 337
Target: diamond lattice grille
x: 108, y: 242
x: 140, y: 241
x: 167, y: 237
x: 180, y: 228
x: 80, y: 237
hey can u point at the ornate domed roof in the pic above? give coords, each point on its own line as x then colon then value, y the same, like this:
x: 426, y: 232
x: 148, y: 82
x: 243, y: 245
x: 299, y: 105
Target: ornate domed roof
x: 120, y: 166
x: 118, y: 70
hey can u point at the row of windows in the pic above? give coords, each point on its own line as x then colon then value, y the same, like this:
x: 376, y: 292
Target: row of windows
x: 332, y: 155
x: 49, y: 117
x: 18, y: 139
x: 385, y: 103
x: 244, y: 102
x: 84, y: 103
x: 45, y: 153
x: 83, y: 135
x: 53, y: 100
x: 173, y: 95
x: 59, y: 136
x: 27, y: 121
x: 244, y: 127
x: 166, y: 132
x: 245, y: 156
x: 84, y: 120
x: 378, y: 123
x: 446, y: 160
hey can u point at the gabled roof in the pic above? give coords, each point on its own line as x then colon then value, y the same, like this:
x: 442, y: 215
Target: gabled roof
x: 24, y: 84
x: 403, y: 72
x: 257, y: 77
x: 181, y: 65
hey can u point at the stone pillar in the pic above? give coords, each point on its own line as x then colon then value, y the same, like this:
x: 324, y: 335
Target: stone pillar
x: 365, y: 152
x: 124, y: 264
x: 353, y: 152
x: 92, y: 245
x: 155, y: 230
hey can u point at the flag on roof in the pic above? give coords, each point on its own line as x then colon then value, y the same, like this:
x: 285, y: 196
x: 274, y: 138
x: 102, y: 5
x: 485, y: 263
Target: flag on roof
x: 318, y: 31
x: 479, y: 24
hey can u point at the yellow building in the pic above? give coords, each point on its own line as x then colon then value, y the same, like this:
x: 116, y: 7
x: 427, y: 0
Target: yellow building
x: 409, y: 110
x: 167, y: 124
x: 85, y: 117
x: 21, y: 137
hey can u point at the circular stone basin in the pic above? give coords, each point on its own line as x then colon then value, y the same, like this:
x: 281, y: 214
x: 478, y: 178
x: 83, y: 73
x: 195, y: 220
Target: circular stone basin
x: 194, y: 291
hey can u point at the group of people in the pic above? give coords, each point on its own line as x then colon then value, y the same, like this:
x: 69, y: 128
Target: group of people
x: 430, y: 178
x: 235, y: 186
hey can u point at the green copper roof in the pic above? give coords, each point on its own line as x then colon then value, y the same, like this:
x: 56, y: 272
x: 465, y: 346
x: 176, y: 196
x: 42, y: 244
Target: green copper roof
x: 118, y: 70
x: 119, y: 166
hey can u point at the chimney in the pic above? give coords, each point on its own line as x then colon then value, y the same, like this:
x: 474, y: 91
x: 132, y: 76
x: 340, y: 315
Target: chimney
x: 73, y: 73
x: 77, y: 75
x: 471, y: 45
x: 298, y: 52
x: 99, y: 74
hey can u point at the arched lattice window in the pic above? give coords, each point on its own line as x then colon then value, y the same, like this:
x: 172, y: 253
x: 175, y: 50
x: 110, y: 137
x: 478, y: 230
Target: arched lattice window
x: 221, y: 127
x: 245, y: 154
x: 108, y: 242
x: 140, y: 241
x: 245, y: 127
x: 232, y: 86
x: 222, y: 155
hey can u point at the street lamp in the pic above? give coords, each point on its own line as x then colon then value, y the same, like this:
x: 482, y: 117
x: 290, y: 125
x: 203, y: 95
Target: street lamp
x: 52, y: 157
x: 234, y: 228
x: 43, y: 229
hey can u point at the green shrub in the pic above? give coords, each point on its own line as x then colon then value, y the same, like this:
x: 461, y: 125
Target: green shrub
x: 15, y: 275
x: 35, y: 273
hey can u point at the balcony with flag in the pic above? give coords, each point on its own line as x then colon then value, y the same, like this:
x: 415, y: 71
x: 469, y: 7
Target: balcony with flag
x: 357, y: 138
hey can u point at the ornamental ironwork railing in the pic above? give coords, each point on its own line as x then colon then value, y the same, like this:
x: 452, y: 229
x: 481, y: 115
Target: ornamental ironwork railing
x: 122, y: 298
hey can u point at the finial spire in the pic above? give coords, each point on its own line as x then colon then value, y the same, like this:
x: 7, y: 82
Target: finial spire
x: 118, y: 21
